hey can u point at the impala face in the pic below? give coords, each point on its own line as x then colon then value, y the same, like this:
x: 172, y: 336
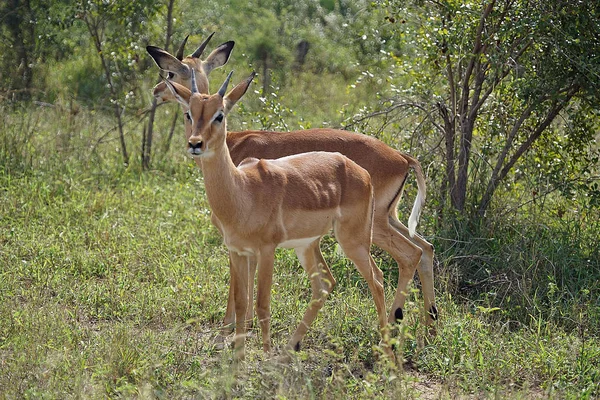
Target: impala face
x: 205, y: 114
x: 207, y: 125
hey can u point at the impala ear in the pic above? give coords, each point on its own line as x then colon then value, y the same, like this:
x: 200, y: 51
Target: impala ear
x: 237, y: 92
x: 218, y: 57
x: 180, y: 93
x: 167, y: 62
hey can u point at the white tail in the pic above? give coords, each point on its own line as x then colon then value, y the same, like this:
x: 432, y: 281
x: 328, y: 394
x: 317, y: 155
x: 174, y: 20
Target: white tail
x: 421, y: 194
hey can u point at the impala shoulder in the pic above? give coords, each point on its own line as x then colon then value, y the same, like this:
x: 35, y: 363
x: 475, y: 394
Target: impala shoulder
x: 248, y: 162
x: 262, y: 169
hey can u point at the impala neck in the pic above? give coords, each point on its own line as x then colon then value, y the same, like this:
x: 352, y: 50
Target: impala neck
x: 222, y: 181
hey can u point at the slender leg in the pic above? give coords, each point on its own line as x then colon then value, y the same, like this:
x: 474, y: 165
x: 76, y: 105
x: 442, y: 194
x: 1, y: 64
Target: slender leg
x: 372, y: 274
x: 424, y: 268
x: 321, y: 282
x: 407, y: 256
x: 251, y: 265
x: 239, y: 278
x: 266, y: 259
x: 229, y: 319
x: 355, y: 241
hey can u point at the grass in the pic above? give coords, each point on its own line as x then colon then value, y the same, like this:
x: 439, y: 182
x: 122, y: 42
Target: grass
x: 113, y: 283
x: 119, y: 289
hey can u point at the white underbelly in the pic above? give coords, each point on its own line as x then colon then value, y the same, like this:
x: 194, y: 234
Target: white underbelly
x: 298, y: 243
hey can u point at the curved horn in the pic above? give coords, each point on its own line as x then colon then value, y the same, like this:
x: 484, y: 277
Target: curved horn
x: 225, y: 84
x: 200, y: 50
x: 194, y: 86
x: 180, y: 50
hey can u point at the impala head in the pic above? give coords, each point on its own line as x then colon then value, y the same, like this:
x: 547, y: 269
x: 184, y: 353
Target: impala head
x: 180, y: 68
x: 206, y: 113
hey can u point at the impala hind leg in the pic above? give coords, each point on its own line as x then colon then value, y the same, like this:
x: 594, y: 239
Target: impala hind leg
x: 374, y: 277
x: 407, y: 256
x: 321, y: 282
x: 424, y: 268
x: 356, y: 247
x: 372, y: 274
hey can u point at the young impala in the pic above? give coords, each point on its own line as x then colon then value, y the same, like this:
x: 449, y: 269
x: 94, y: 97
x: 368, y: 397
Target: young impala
x: 388, y: 169
x: 289, y: 202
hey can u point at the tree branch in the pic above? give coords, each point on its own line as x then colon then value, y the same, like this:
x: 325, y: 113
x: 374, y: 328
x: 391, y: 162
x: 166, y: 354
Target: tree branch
x: 556, y: 108
x: 392, y: 108
x: 477, y: 47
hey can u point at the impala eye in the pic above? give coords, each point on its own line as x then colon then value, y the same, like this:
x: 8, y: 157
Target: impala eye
x: 170, y: 75
x: 188, y: 116
x: 219, y: 117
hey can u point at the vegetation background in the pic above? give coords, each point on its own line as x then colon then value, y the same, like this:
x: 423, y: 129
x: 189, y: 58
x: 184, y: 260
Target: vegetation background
x: 113, y: 282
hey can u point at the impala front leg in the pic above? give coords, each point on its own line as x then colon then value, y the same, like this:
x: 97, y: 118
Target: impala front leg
x: 239, y: 281
x: 229, y: 319
x: 266, y: 259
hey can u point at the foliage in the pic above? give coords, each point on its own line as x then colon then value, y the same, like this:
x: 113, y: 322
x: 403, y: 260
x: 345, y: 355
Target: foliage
x: 115, y: 284
x: 113, y: 281
x: 493, y: 79
x: 32, y: 32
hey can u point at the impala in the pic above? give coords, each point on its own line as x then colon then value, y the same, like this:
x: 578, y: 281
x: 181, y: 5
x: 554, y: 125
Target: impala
x: 288, y: 202
x: 388, y: 169
x: 180, y: 68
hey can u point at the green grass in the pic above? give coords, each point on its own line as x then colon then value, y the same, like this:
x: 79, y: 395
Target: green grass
x: 119, y: 288
x: 113, y: 283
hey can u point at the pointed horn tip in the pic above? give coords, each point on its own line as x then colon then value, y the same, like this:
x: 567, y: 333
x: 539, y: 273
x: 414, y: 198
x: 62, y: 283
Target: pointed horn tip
x: 181, y: 48
x: 228, y: 77
x: 200, y: 49
x: 223, y: 88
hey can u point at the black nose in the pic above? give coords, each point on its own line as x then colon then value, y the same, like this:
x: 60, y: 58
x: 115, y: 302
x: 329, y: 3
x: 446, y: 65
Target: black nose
x: 195, y: 146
